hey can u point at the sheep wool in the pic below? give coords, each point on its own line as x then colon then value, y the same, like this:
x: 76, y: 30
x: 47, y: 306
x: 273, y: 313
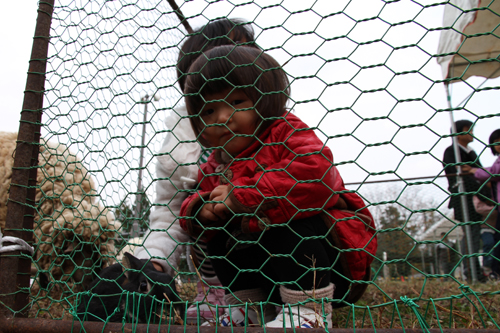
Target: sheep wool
x: 7, y: 147
x: 74, y: 233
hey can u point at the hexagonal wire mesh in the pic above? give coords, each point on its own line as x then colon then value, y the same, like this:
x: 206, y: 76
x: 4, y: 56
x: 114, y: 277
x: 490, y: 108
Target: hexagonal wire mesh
x: 363, y: 76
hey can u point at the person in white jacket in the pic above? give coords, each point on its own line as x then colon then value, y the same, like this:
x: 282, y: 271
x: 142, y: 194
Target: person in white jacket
x: 177, y: 171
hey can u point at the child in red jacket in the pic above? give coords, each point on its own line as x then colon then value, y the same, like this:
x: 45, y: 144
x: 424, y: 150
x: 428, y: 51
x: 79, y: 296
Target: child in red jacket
x: 176, y: 165
x: 270, y: 203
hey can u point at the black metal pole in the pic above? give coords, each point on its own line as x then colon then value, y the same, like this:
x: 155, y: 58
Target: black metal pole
x: 15, y: 272
x: 181, y: 16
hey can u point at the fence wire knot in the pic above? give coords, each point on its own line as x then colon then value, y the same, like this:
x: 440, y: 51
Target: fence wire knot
x: 465, y: 287
x: 410, y: 303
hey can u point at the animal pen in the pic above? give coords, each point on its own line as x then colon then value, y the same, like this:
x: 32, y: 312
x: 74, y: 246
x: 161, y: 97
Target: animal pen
x: 364, y: 76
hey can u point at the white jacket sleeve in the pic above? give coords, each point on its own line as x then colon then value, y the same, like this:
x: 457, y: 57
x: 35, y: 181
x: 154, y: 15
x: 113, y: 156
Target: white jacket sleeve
x: 176, y: 169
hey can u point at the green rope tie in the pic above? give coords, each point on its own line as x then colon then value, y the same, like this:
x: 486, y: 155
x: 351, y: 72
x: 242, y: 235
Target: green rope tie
x: 412, y: 305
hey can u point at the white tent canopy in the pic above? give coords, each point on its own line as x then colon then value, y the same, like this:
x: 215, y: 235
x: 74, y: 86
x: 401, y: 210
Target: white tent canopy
x: 473, y: 39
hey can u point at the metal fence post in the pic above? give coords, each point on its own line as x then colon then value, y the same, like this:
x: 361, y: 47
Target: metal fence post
x: 15, y: 272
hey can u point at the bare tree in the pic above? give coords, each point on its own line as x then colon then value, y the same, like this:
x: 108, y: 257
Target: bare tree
x: 402, y: 212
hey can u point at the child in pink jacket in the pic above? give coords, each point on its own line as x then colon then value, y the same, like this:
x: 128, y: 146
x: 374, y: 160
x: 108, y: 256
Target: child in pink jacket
x: 492, y: 174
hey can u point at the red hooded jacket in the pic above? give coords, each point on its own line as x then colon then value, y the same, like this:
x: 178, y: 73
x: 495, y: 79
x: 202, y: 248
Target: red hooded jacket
x: 287, y: 174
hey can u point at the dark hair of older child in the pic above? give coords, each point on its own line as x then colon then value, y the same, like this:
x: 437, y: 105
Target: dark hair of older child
x: 216, y: 33
x: 266, y: 225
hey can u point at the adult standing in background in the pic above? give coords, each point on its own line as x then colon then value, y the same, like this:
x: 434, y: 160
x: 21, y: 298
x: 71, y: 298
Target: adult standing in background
x: 469, y: 157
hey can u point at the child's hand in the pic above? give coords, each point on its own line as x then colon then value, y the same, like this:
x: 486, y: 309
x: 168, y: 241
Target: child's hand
x: 221, y: 193
x: 207, y: 215
x: 212, y: 212
x: 467, y: 169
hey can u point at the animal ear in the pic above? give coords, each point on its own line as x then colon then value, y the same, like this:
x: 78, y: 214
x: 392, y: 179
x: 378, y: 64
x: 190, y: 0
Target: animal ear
x: 70, y: 248
x: 126, y: 265
x: 131, y: 262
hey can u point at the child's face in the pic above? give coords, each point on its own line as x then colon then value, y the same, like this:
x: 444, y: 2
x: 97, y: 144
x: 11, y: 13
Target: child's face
x: 465, y: 139
x: 229, y: 120
x: 497, y: 147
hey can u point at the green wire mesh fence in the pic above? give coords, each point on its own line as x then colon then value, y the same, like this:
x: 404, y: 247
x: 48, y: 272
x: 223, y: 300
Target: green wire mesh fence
x: 363, y: 75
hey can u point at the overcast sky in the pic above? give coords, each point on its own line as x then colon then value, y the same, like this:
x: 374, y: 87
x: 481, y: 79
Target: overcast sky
x: 17, y: 27
x: 367, y: 132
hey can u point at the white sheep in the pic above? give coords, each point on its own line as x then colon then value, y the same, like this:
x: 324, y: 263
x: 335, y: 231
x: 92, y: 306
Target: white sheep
x: 74, y: 234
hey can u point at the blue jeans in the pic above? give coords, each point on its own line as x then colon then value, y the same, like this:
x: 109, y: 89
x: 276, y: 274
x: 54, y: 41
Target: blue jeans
x: 488, y: 239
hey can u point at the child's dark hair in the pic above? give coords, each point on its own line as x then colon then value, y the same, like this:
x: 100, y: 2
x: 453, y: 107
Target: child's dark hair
x: 494, y: 137
x: 461, y: 124
x: 216, y: 33
x: 237, y: 67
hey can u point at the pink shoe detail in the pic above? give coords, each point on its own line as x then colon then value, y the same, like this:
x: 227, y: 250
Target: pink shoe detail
x: 205, y: 302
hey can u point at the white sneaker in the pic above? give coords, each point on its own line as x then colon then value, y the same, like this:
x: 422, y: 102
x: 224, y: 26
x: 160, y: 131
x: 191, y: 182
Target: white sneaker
x: 301, y: 317
x: 237, y: 316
